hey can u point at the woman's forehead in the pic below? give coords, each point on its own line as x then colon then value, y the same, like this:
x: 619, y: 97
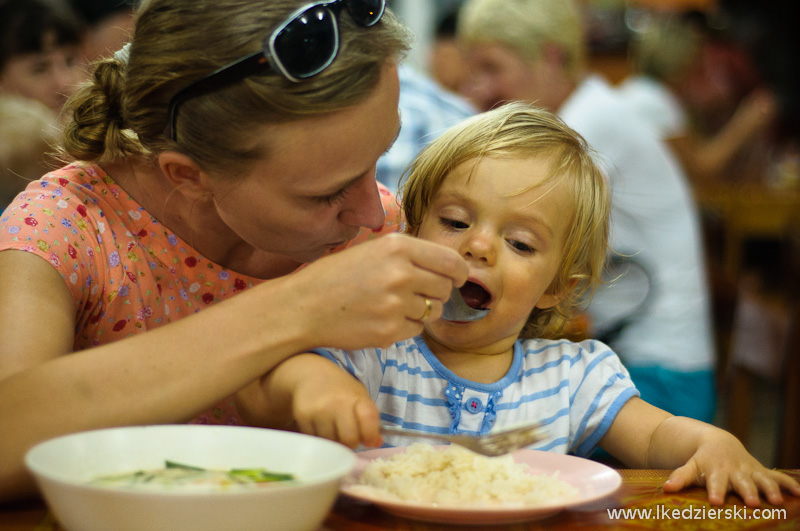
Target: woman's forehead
x: 338, y: 145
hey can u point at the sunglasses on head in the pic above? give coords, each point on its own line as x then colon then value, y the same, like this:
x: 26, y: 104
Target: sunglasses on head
x: 302, y: 46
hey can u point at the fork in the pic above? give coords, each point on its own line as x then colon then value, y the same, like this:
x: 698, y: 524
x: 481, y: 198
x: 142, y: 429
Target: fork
x: 492, y: 445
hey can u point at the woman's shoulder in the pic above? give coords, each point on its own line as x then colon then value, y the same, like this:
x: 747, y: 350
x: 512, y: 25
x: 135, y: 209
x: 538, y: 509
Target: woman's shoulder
x: 79, y: 186
x: 78, y: 197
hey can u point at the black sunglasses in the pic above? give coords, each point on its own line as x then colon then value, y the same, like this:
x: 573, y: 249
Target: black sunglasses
x: 304, y: 45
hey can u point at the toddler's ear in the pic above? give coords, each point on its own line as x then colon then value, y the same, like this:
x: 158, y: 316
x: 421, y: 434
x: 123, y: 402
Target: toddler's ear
x: 548, y: 300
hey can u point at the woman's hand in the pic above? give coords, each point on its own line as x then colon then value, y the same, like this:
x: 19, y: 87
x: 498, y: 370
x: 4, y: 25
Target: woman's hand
x: 722, y: 464
x: 374, y: 294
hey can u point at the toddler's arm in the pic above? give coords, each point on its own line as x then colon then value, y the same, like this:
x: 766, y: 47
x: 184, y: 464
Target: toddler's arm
x: 644, y: 436
x: 318, y: 396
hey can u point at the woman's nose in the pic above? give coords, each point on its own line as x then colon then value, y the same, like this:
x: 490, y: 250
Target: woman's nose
x: 363, y: 206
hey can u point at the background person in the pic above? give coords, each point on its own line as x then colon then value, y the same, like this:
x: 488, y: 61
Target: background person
x: 109, y: 25
x: 534, y: 51
x: 40, y: 54
x: 426, y: 110
x: 205, y: 229
x: 28, y: 133
x: 667, y: 58
x: 445, y: 61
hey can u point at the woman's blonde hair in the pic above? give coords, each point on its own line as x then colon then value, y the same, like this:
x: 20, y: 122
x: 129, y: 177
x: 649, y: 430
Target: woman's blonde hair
x: 526, y: 27
x: 520, y: 130
x: 122, y: 111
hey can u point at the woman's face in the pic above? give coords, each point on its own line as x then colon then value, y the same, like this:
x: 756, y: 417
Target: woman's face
x: 316, y: 188
x: 49, y: 76
x: 511, y: 230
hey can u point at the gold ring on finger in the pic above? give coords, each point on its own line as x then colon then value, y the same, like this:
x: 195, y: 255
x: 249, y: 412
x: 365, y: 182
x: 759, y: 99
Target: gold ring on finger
x: 428, y: 308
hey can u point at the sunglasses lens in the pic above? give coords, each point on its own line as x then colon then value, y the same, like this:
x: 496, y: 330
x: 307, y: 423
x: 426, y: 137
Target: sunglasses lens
x: 308, y: 44
x: 366, y: 13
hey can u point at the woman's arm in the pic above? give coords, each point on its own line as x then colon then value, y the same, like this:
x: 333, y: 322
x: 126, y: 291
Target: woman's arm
x: 643, y: 436
x: 165, y: 375
x: 369, y: 295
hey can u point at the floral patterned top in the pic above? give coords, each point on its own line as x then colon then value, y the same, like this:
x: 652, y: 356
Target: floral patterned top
x: 127, y: 273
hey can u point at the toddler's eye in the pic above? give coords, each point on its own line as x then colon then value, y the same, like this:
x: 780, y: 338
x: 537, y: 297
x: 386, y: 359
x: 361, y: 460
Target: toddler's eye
x: 453, y: 223
x: 521, y: 247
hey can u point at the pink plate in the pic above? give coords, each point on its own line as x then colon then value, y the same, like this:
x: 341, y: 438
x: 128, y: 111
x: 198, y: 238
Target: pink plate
x: 593, y: 481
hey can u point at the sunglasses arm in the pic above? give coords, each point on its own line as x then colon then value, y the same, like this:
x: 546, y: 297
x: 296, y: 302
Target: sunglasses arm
x: 220, y: 78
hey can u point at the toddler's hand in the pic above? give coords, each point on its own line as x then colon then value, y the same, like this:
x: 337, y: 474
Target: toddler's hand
x: 724, y: 465
x: 340, y: 411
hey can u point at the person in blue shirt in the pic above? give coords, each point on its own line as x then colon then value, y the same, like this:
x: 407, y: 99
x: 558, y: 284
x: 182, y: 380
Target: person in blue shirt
x: 426, y: 110
x: 518, y: 194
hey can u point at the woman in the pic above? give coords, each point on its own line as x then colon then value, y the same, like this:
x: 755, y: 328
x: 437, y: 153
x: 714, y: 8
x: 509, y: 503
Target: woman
x: 219, y: 155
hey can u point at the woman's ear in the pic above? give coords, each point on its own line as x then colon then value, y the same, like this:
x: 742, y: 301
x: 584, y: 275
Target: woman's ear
x: 184, y: 173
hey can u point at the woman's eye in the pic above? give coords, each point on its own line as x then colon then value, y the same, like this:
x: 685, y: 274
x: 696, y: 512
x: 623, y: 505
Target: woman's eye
x: 334, y: 198
x: 453, y: 223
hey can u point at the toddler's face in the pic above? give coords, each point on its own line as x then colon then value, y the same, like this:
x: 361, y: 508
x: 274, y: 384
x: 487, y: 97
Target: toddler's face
x: 511, y: 230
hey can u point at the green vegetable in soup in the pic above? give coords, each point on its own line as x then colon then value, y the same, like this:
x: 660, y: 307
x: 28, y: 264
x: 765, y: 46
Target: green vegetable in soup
x: 176, y: 474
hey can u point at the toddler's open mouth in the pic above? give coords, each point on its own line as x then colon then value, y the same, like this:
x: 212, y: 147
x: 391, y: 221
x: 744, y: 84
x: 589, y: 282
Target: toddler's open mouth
x: 475, y: 295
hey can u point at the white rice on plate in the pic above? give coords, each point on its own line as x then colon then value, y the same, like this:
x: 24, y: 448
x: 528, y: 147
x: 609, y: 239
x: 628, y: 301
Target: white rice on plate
x: 457, y: 476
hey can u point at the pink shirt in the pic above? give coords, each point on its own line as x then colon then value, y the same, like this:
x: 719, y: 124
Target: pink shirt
x: 127, y: 273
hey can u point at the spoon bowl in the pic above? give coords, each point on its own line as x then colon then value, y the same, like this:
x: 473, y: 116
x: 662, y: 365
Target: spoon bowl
x: 455, y: 309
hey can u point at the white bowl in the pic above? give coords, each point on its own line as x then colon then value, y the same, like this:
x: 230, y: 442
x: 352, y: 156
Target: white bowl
x: 64, y: 466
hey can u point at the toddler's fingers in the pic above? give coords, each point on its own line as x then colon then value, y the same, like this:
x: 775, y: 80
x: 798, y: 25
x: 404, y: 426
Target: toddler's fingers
x: 681, y: 478
x: 770, y: 487
x: 322, y: 428
x: 744, y: 486
x: 347, y: 431
x: 786, y: 482
x: 368, y: 419
x: 717, y: 487
x: 304, y: 426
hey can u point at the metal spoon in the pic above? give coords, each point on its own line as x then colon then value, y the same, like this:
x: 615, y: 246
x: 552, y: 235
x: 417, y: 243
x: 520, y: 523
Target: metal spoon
x: 455, y: 309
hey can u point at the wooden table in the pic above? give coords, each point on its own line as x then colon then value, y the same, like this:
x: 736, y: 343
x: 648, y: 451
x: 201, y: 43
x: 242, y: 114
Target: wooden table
x: 641, y: 489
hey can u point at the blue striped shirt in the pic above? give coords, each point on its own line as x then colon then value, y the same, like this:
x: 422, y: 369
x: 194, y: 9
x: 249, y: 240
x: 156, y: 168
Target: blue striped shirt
x: 574, y: 389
